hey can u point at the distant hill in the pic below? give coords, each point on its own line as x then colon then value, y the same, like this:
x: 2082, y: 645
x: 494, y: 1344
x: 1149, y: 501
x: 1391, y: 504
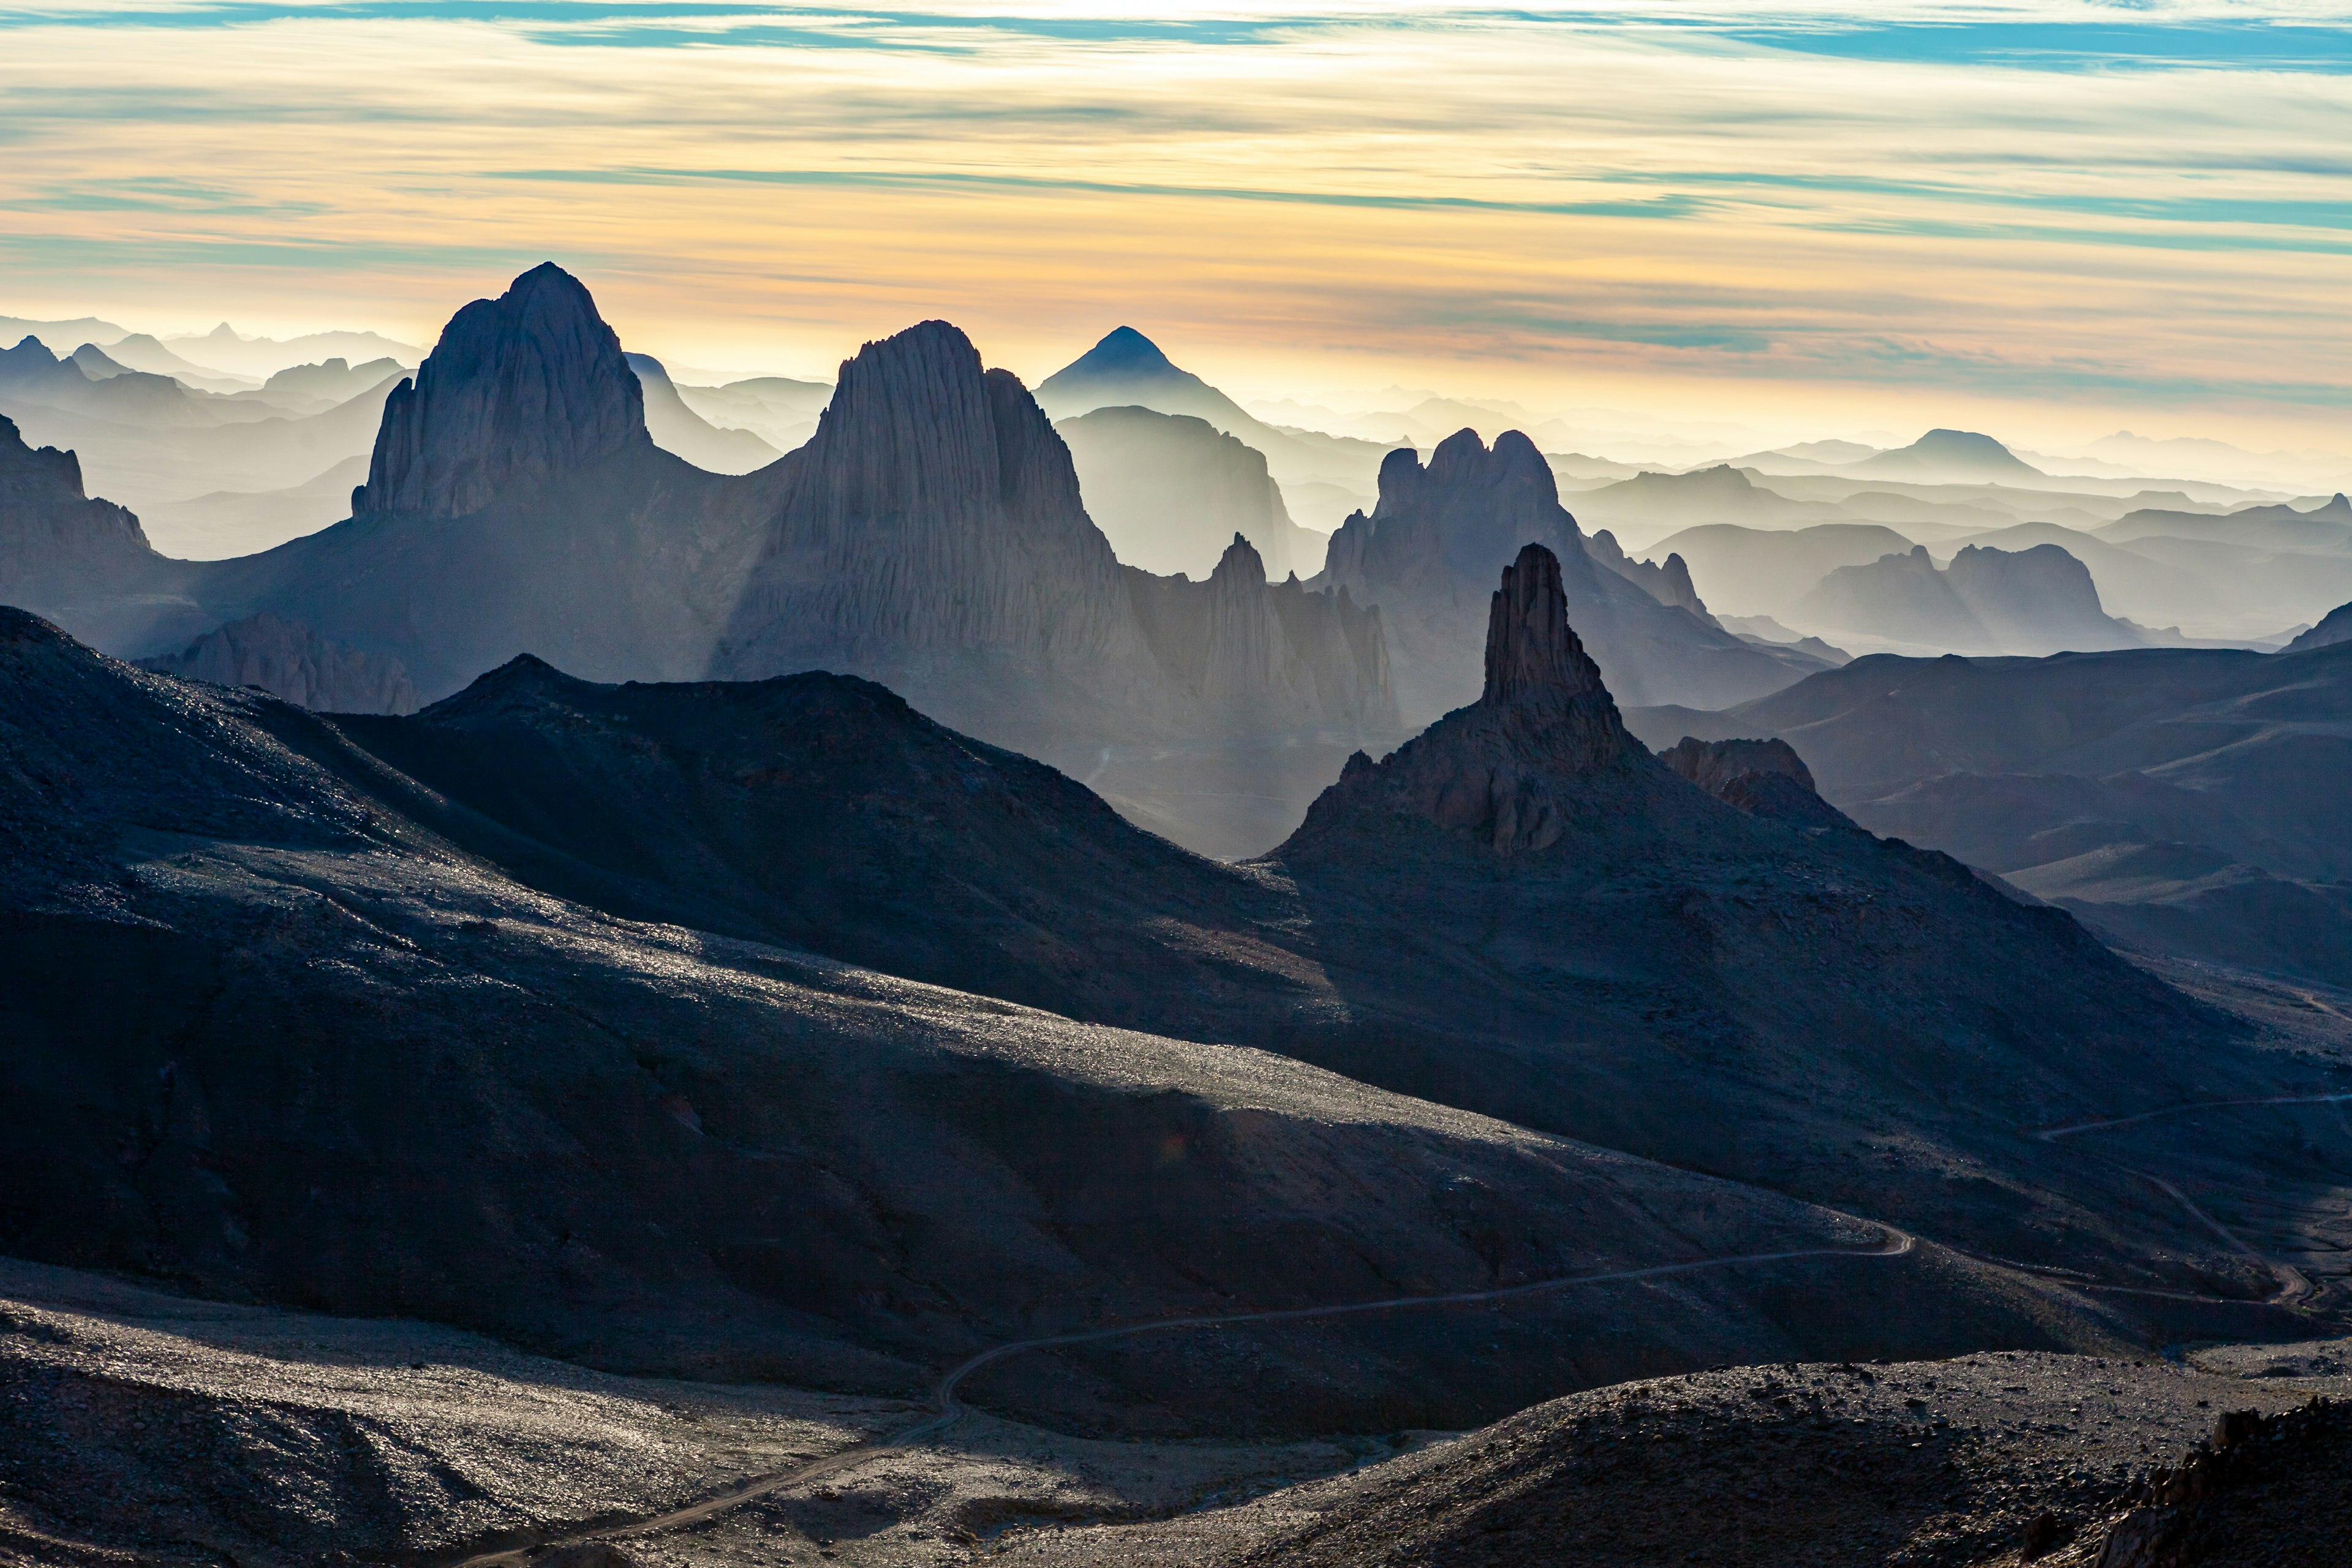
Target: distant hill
x: 2193, y: 800
x: 677, y: 427
x: 1720, y: 494
x: 1170, y: 491
x: 1766, y: 572
x: 2034, y: 601
x: 1126, y: 369
x: 226, y: 349
x: 2325, y: 526
x: 1949, y: 457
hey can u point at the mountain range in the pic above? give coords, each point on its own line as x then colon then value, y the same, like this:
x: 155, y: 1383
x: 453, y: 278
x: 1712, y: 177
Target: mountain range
x: 2180, y: 801
x: 555, y: 905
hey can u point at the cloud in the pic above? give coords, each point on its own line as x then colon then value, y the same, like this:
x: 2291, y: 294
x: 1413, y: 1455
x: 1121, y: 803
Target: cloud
x: 2093, y: 200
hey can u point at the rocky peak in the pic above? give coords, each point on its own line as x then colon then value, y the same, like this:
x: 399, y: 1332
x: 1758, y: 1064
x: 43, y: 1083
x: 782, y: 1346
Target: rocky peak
x: 1515, y: 766
x: 1530, y: 651
x: 918, y: 428
x: 520, y: 390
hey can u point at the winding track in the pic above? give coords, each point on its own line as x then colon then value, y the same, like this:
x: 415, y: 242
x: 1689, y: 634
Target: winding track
x: 2294, y: 1284
x: 946, y: 1410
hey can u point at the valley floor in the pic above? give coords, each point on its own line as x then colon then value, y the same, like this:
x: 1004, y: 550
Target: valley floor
x: 139, y: 1428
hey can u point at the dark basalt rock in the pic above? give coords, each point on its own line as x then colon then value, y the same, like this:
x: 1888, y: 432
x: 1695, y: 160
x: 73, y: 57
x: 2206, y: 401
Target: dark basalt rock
x: 1506, y: 767
x: 1762, y: 778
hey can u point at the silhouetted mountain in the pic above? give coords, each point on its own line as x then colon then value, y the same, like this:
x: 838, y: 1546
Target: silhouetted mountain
x: 141, y: 350
x: 307, y: 386
x: 1667, y: 581
x: 1768, y: 572
x: 146, y: 439
x: 2033, y: 601
x: 520, y: 390
x: 674, y: 428
x: 1949, y: 457
x: 1169, y: 489
x: 1719, y: 494
x: 2190, y: 800
x: 930, y: 535
x: 2334, y: 627
x: 63, y: 553
x: 2327, y: 526
x: 226, y: 349
x: 289, y: 660
x: 1427, y: 553
x: 1596, y: 945
x: 1126, y: 369
x: 779, y: 410
x: 31, y: 374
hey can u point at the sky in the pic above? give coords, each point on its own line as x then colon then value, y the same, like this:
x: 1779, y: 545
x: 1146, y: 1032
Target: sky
x: 2050, y: 219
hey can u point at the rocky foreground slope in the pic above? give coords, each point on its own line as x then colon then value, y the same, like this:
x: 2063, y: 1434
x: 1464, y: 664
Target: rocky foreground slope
x: 140, y: 1426
x: 320, y: 1052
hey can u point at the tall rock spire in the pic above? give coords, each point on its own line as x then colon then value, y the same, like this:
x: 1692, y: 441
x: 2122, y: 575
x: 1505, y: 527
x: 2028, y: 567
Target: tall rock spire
x: 1515, y: 767
x: 526, y: 388
x: 1530, y: 648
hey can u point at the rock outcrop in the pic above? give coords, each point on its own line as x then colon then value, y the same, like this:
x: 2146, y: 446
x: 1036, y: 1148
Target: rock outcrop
x: 1762, y: 778
x: 1427, y: 555
x: 520, y: 390
x: 1262, y: 656
x: 288, y: 659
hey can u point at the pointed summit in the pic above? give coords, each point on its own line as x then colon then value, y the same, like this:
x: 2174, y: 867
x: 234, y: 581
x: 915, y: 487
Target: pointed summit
x: 1515, y: 767
x: 1126, y: 370
x: 520, y: 390
x: 1531, y: 651
x: 1123, y: 350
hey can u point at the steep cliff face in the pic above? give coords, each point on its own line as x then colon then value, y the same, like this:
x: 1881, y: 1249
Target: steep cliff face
x: 288, y: 659
x: 930, y: 536
x: 1428, y: 551
x: 515, y: 504
x: 1262, y: 656
x: 84, y: 562
x: 521, y: 389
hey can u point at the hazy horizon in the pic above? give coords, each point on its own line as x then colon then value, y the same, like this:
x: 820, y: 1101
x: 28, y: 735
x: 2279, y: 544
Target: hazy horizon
x: 2055, y: 216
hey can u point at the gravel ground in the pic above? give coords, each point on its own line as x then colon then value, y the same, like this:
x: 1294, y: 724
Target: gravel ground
x: 138, y: 1427
x: 1924, y: 1463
